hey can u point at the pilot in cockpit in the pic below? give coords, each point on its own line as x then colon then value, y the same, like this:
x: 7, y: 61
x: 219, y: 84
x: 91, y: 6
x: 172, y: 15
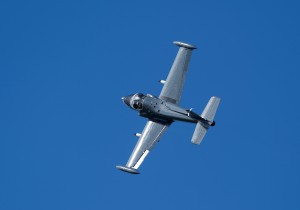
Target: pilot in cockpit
x: 138, y: 101
x: 137, y: 104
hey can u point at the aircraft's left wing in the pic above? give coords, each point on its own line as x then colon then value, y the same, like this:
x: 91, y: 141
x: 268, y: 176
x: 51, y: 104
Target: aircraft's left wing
x: 149, y: 137
x: 174, y: 84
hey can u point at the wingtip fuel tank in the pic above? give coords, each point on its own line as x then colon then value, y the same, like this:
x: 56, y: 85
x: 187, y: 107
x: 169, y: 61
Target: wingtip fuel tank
x: 185, y: 45
x: 128, y: 169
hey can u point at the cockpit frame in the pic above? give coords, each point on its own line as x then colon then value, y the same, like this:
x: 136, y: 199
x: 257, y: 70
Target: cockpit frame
x: 136, y: 101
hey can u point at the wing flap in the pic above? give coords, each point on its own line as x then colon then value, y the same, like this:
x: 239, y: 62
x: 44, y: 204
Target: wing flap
x: 149, y: 137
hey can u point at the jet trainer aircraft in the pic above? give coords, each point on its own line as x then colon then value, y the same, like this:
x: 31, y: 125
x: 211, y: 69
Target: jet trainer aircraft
x: 162, y: 111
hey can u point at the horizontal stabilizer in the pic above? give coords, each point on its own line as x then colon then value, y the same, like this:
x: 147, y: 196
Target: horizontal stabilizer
x: 211, y: 109
x: 208, y: 114
x: 199, y: 132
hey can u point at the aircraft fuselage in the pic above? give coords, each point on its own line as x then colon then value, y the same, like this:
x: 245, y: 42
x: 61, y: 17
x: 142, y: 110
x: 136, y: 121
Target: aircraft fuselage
x: 156, y: 109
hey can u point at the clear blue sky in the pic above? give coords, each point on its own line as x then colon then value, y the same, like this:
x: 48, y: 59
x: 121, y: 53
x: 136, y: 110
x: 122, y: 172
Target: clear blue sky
x: 64, y: 66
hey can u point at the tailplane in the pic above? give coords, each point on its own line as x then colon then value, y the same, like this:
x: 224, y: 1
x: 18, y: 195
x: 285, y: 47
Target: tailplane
x: 211, y: 109
x: 208, y: 114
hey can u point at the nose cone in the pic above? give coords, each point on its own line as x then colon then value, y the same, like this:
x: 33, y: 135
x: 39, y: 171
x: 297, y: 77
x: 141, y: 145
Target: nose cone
x: 126, y: 100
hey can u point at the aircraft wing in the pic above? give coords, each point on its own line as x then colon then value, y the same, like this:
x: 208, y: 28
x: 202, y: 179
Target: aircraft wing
x: 174, y: 84
x: 149, y: 137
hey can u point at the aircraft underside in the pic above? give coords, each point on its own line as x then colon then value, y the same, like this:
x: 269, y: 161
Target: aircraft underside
x: 162, y: 111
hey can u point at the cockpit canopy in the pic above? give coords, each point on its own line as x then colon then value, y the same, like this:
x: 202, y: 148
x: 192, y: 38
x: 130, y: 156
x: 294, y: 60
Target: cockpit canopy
x: 136, y: 101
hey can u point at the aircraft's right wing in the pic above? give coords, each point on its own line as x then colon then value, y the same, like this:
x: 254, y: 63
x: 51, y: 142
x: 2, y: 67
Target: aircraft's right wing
x: 174, y: 84
x: 149, y: 137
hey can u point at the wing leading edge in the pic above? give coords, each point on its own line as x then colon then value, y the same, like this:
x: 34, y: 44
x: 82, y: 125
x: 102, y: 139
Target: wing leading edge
x: 149, y: 137
x: 174, y: 84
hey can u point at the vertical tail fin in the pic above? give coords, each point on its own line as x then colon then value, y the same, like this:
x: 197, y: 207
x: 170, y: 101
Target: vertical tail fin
x: 208, y: 114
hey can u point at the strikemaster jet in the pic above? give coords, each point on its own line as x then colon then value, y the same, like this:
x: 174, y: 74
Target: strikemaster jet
x: 162, y: 111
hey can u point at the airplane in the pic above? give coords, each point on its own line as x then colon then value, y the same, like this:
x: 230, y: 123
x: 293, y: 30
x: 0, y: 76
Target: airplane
x: 162, y: 111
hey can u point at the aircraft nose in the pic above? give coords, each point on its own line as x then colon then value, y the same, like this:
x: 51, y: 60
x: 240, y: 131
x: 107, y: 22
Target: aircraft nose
x: 126, y: 100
